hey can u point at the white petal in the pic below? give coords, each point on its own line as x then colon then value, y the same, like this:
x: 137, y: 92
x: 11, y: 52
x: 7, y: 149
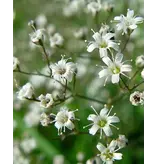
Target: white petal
x: 126, y: 68
x: 118, y: 57
x: 58, y: 125
x: 97, y: 37
x: 112, y: 145
x: 117, y: 18
x: 101, y: 147
x: 138, y: 20
x: 103, y: 112
x: 93, y: 129
x: 107, y: 131
x: 109, y: 36
x: 130, y: 13
x: 69, y: 125
x: 117, y: 156
x: 91, y: 47
x: 113, y: 119
x: 103, y: 73
x: 103, y: 52
x: 134, y: 26
x: 92, y: 117
x: 115, y: 78
x: 109, y: 162
x: 107, y: 61
x: 113, y: 45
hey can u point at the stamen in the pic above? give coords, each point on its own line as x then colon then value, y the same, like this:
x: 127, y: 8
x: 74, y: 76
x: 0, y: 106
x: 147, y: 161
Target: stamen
x: 92, y: 30
x: 127, y: 61
x: 125, y: 75
x: 75, y: 110
x: 110, y: 110
x: 88, y: 125
x: 100, y: 133
x: 94, y: 110
x: 105, y: 81
x: 114, y: 126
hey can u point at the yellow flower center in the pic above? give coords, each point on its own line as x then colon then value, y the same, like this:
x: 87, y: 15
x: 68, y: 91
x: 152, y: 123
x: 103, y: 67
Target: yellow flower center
x: 102, y: 123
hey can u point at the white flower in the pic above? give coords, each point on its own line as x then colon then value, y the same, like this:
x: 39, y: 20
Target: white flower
x: 94, y: 7
x: 80, y: 156
x: 64, y: 119
x: 45, y: 119
x: 46, y: 101
x: 58, y: 159
x: 103, y: 42
x: 102, y: 122
x: 37, y: 36
x: 108, y: 154
x: 81, y: 33
x: 28, y: 144
x: 63, y: 70
x: 15, y: 63
x: 142, y: 74
x: 122, y: 141
x: 56, y: 40
x: 114, y: 68
x: 137, y: 98
x: 41, y: 20
x: 127, y: 23
x: 27, y: 91
x: 140, y: 61
x: 51, y: 29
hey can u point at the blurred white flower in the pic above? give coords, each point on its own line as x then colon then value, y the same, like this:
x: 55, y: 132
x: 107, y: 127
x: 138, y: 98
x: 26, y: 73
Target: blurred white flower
x: 127, y: 23
x: 81, y: 33
x: 108, y: 154
x: 51, y: 29
x: 64, y: 119
x: 56, y: 40
x: 63, y: 71
x: 27, y: 91
x: 46, y: 101
x: 28, y: 144
x: 58, y: 159
x: 41, y: 21
x: 15, y: 63
x: 80, y: 156
x: 140, y: 61
x: 137, y: 98
x: 114, y: 68
x: 142, y: 74
x: 14, y: 124
x: 44, y: 119
x: 122, y: 141
x: 102, y: 122
x: 37, y: 36
x: 94, y: 7
x: 103, y: 41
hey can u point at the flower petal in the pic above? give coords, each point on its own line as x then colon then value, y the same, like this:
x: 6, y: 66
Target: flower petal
x: 109, y: 162
x: 97, y: 37
x: 107, y: 130
x: 103, y: 112
x: 113, y: 119
x: 103, y: 52
x: 126, y: 68
x: 91, y: 47
x: 130, y: 13
x: 138, y: 20
x: 133, y: 26
x: 58, y: 125
x: 109, y: 36
x: 112, y: 145
x: 118, y: 57
x: 115, y: 78
x: 101, y: 147
x: 93, y: 129
x: 107, y: 61
x: 103, y: 73
x: 69, y: 125
x: 113, y: 45
x: 92, y: 117
x: 117, y: 156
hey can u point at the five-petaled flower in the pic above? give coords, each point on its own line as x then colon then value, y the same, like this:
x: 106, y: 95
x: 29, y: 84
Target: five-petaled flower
x: 46, y: 101
x: 56, y: 40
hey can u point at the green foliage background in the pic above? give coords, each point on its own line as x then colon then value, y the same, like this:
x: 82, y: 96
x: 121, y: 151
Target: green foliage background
x: 132, y: 118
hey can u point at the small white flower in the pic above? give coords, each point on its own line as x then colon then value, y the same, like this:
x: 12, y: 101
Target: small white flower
x: 122, y: 141
x: 64, y: 119
x: 81, y: 33
x: 114, y: 68
x: 56, y: 40
x: 63, y: 71
x: 58, y: 159
x: 142, y: 74
x: 108, y: 154
x: 27, y: 91
x: 41, y: 20
x: 94, y: 7
x: 103, y: 42
x: 137, y: 98
x: 102, y: 122
x: 28, y: 144
x: 15, y: 63
x: 51, y: 29
x: 37, y: 36
x: 129, y: 22
x: 45, y: 119
x: 80, y: 156
x: 46, y: 101
x: 139, y: 61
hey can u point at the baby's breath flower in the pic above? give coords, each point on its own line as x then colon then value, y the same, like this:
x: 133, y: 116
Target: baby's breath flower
x: 45, y: 119
x: 51, y: 29
x: 108, y: 154
x: 46, y: 101
x: 127, y: 23
x: 56, y: 40
x: 103, y: 41
x: 102, y: 122
x: 64, y: 119
x: 142, y: 74
x: 81, y: 33
x: 94, y: 7
x: 137, y: 98
x: 27, y: 91
x: 41, y: 21
x: 58, y: 159
x: 140, y: 61
x: 63, y: 71
x: 122, y: 141
x: 37, y: 36
x: 15, y: 63
x: 114, y: 68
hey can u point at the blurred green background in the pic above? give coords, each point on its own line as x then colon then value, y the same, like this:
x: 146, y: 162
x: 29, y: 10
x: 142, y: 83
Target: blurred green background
x: 87, y: 83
